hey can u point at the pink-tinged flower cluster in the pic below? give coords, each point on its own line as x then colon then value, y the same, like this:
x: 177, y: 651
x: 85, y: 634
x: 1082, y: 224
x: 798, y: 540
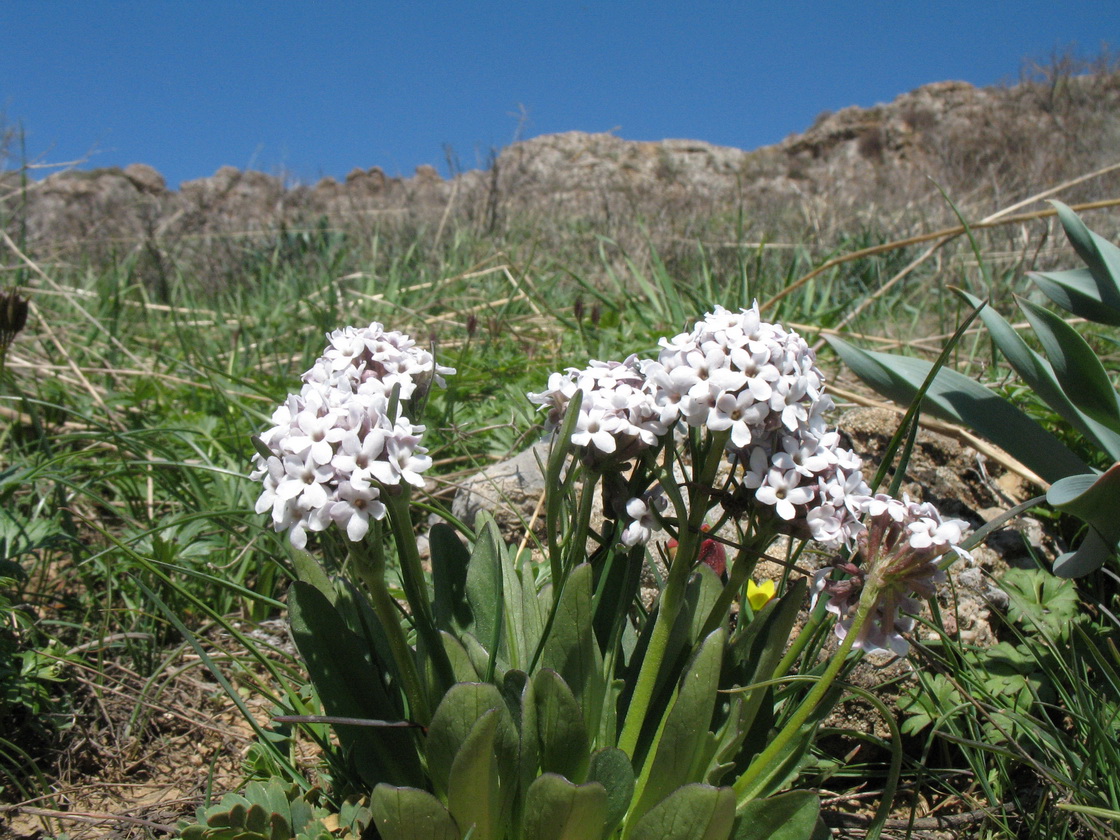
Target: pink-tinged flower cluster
x: 618, y: 415
x: 336, y: 446
x: 900, y: 554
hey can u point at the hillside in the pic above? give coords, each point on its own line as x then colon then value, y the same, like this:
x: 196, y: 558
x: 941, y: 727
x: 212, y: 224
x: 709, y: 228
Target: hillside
x: 869, y: 167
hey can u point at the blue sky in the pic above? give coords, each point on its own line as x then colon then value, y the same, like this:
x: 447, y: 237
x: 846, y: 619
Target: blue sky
x: 309, y: 89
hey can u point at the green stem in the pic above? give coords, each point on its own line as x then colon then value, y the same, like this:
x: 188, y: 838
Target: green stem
x: 371, y: 570
x: 673, y: 596
x: 767, y: 757
x: 415, y: 589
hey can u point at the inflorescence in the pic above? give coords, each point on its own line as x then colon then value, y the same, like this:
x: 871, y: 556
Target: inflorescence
x: 758, y: 382
x: 346, y: 438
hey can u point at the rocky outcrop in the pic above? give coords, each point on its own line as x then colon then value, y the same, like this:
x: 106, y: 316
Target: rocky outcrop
x: 1002, y: 143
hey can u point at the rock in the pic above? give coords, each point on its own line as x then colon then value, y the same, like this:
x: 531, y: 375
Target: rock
x: 510, y: 490
x: 145, y: 178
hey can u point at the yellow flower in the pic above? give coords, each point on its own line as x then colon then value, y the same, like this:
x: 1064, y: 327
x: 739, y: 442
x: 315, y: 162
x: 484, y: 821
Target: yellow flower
x: 758, y: 594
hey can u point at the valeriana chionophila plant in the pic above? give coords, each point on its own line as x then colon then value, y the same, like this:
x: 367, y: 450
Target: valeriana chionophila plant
x: 524, y: 699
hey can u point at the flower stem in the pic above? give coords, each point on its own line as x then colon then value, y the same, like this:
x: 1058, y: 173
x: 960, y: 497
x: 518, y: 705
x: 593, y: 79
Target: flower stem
x: 371, y: 569
x: 769, y: 756
x: 415, y: 589
x: 673, y: 596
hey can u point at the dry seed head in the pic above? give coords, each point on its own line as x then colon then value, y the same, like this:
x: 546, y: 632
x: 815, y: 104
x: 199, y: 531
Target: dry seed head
x: 13, y: 316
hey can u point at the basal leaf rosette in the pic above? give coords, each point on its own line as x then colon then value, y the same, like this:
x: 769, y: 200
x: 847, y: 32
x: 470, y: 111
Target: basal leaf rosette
x: 335, y: 447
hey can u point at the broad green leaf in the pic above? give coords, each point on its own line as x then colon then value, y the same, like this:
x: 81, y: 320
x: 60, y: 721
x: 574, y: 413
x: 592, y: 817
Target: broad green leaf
x: 531, y: 608
x: 529, y: 756
x: 570, y: 648
x: 958, y: 399
x: 1077, y: 291
x: 692, y: 812
x: 480, y: 658
x: 708, y: 587
x: 455, y: 718
x: 1095, y: 498
x: 678, y: 746
x: 787, y: 816
x: 403, y: 813
x: 309, y: 570
x: 474, y: 795
x: 450, y: 559
x: 556, y: 809
x: 612, y: 769
x: 484, y: 585
x: 752, y: 659
x: 1076, y: 366
x: 1038, y: 374
x: 564, y: 745
x: 461, y: 665
x: 348, y: 683
x: 1100, y: 255
x: 517, y: 651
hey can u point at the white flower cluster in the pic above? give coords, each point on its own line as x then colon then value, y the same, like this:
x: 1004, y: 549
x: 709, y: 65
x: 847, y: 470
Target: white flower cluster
x: 901, y: 549
x: 734, y: 372
x: 618, y: 415
x: 334, y: 446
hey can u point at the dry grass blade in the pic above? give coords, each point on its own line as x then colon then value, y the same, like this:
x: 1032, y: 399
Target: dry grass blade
x: 946, y: 233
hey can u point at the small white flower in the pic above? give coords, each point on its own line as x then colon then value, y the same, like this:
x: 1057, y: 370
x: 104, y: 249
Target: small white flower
x: 781, y: 491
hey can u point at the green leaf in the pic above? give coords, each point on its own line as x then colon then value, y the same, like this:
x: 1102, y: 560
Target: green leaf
x: 455, y: 718
x: 347, y: 681
x: 1038, y: 374
x: 450, y: 559
x: 1100, y: 255
x: 1079, y: 371
x: 564, y: 745
x: 474, y: 787
x: 556, y: 809
x: 517, y: 650
x: 570, y: 648
x: 531, y: 610
x: 404, y: 813
x: 309, y: 570
x: 678, y: 746
x: 461, y: 664
x: 958, y: 399
x: 1096, y: 500
x: 765, y: 641
x: 787, y: 816
x: 1090, y: 555
x: 530, y: 744
x: 692, y: 812
x: 1093, y: 497
x: 612, y: 769
x: 1077, y: 291
x: 484, y: 587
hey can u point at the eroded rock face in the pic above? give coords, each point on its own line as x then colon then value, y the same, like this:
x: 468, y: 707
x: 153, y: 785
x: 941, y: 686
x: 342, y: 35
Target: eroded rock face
x: 862, y: 161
